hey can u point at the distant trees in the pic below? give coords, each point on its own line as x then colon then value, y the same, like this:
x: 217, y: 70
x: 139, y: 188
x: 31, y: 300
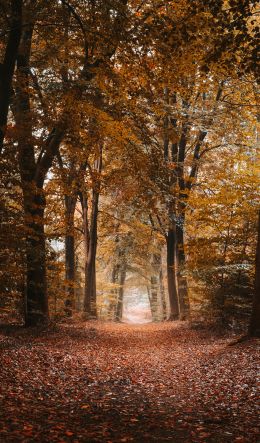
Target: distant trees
x: 126, y: 106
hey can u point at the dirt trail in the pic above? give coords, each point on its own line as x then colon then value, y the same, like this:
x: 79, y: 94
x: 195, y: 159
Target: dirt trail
x: 106, y: 383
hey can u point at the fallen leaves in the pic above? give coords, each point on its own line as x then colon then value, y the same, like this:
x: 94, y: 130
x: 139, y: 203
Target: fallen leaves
x: 119, y: 383
x: 68, y: 433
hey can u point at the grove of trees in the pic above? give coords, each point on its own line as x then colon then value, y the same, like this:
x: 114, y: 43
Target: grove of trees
x: 128, y: 155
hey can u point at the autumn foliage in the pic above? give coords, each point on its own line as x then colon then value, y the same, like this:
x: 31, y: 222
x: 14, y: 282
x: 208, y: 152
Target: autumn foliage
x: 128, y: 158
x: 129, y: 185
x: 128, y: 135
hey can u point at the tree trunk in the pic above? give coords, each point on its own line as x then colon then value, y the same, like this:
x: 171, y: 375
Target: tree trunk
x: 181, y: 277
x: 171, y: 274
x: 149, y: 296
x: 90, y: 307
x: 70, y: 205
x: 171, y: 234
x: 155, y: 286
x: 154, y: 297
x: 8, y: 65
x: 113, y: 301
x: 36, y: 311
x: 90, y: 296
x: 36, y: 301
x: 85, y: 224
x: 33, y: 173
x: 254, y: 327
x: 120, y: 300
x: 162, y: 294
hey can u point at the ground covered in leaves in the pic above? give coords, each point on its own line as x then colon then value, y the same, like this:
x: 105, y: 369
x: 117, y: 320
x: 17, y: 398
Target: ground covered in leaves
x: 94, y: 382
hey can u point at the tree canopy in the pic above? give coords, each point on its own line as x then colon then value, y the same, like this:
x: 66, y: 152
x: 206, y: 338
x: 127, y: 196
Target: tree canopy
x: 128, y: 137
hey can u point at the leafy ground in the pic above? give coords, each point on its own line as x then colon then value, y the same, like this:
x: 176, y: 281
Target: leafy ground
x: 119, y: 383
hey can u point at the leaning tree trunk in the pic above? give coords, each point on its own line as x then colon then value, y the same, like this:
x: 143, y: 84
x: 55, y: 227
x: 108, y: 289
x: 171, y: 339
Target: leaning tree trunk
x: 120, y: 300
x: 70, y: 205
x: 171, y: 274
x: 254, y: 327
x: 181, y: 277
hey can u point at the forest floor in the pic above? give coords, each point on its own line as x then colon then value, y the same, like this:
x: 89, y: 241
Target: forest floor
x: 101, y: 382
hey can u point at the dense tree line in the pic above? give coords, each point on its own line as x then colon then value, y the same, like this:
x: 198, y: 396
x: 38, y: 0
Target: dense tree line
x: 128, y: 134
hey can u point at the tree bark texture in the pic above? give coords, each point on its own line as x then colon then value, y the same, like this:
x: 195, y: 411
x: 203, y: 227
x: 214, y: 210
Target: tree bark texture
x: 8, y: 65
x: 162, y: 295
x: 70, y: 205
x: 36, y: 306
x: 171, y: 274
x: 181, y: 277
x: 120, y: 299
x: 85, y: 222
x: 155, y: 286
x: 113, y: 301
x: 90, y: 307
x: 36, y: 311
x: 33, y: 173
x: 90, y: 296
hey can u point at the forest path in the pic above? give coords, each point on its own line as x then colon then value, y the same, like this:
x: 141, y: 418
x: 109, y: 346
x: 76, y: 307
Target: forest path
x: 101, y: 382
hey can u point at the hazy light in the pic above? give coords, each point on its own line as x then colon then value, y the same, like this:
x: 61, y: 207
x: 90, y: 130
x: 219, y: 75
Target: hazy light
x: 136, y: 307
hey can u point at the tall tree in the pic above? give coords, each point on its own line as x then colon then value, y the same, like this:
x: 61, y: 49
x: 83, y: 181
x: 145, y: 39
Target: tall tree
x: 34, y: 171
x: 7, y: 67
x: 90, y: 306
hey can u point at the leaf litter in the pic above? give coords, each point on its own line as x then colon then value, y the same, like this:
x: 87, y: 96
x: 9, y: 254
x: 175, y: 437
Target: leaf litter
x: 105, y: 382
